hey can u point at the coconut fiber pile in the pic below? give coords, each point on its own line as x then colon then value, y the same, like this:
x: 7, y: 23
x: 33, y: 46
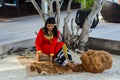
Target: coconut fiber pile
x: 93, y: 61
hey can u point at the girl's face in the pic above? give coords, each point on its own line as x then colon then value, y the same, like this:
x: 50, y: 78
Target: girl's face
x: 50, y: 27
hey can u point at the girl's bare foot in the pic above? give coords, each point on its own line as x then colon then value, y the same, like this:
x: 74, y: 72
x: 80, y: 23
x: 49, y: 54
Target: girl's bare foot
x: 72, y: 65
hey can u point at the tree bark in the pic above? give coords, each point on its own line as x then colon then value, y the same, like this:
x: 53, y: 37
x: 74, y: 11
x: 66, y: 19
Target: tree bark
x: 38, y: 9
x: 88, y: 22
x: 58, y: 13
x: 72, y: 41
x: 50, y: 8
x: 66, y: 31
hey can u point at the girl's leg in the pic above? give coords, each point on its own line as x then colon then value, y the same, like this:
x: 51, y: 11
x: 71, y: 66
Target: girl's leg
x: 61, y: 59
x: 69, y: 55
x: 70, y: 63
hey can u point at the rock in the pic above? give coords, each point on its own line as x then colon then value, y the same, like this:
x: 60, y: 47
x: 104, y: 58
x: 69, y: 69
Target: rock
x: 96, y: 61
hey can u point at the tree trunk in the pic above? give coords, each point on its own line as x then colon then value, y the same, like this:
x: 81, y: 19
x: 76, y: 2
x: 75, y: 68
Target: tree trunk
x: 72, y: 41
x: 50, y: 8
x: 58, y: 13
x: 66, y: 31
x: 88, y: 22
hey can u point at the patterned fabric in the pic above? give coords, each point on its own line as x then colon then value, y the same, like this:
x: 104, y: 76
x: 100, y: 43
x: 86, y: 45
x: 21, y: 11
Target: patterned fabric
x: 61, y: 58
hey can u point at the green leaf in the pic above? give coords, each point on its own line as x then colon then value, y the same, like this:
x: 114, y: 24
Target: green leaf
x: 86, y: 4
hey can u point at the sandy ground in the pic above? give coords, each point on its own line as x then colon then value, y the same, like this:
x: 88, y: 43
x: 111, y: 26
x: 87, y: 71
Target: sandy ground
x: 11, y: 69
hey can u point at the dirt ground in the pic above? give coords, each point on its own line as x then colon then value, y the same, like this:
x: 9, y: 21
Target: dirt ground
x: 11, y: 67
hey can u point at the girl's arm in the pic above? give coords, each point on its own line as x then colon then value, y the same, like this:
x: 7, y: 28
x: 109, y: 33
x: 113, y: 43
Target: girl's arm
x: 38, y: 40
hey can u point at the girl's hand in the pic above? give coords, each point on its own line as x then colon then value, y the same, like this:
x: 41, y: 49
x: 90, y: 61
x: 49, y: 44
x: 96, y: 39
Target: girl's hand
x: 51, y: 58
x: 38, y: 55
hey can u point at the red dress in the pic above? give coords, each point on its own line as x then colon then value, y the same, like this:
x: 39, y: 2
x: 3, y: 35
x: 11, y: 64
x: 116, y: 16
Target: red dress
x: 48, y: 45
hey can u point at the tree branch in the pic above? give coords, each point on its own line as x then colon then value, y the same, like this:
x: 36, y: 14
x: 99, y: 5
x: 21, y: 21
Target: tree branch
x: 58, y: 13
x: 66, y: 31
x: 38, y: 9
x: 50, y: 10
x: 89, y: 20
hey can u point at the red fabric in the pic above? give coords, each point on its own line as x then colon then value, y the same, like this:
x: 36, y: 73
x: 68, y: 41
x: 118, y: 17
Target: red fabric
x: 47, y: 46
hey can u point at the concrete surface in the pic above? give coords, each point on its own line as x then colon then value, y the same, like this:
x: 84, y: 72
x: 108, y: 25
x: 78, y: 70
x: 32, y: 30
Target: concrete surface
x: 19, y: 32
x: 112, y: 46
x: 15, y: 30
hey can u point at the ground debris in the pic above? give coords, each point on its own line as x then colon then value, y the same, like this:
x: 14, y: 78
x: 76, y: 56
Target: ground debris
x: 22, y: 51
x: 46, y: 68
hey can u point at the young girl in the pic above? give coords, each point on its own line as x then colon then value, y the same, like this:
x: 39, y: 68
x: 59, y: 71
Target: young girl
x: 47, y: 42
